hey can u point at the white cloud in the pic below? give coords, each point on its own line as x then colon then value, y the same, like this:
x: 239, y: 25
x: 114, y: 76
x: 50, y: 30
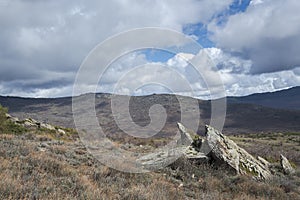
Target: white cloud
x: 134, y: 75
x: 174, y: 76
x: 61, y: 91
x: 38, y: 37
x: 243, y: 84
x: 267, y: 33
x: 41, y: 50
x: 255, y: 2
x: 233, y: 73
x: 237, y: 80
x: 227, y: 62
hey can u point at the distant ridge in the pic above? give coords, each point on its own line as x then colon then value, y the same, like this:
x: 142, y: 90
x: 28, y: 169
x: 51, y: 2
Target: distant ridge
x: 267, y: 112
x: 283, y: 99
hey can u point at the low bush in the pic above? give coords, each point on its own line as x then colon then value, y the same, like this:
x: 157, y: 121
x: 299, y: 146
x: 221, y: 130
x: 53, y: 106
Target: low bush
x: 7, y: 126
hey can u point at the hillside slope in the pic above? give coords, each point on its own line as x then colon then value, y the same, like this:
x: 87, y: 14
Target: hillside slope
x: 41, y: 164
x: 240, y: 118
x: 284, y: 99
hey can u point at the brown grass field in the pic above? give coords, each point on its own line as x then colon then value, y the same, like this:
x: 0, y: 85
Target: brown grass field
x: 40, y: 165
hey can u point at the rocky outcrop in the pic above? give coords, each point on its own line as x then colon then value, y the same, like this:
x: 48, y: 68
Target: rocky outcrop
x: 217, y: 148
x: 286, y: 165
x: 186, y: 146
x: 223, y: 150
x: 192, y: 144
x: 30, y: 123
x: 228, y: 152
x: 194, y: 154
x: 185, y: 137
x: 33, y: 124
x: 264, y: 161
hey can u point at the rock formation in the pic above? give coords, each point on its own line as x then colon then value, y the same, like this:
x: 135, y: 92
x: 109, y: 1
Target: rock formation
x: 33, y: 124
x: 228, y: 152
x: 192, y: 144
x: 286, y: 165
x: 184, y: 146
x: 185, y: 137
x: 215, y: 147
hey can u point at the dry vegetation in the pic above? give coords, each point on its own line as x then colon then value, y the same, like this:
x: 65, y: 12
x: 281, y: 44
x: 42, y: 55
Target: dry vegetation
x: 39, y: 165
x: 271, y: 145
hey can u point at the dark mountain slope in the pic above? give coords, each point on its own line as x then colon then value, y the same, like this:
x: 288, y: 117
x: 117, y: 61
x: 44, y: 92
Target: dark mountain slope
x: 242, y: 117
x: 285, y: 99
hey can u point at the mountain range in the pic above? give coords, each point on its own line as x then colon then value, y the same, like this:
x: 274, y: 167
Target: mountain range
x: 266, y: 112
x: 285, y: 99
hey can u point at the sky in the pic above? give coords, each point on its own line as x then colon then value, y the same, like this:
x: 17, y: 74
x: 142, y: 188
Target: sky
x: 254, y: 44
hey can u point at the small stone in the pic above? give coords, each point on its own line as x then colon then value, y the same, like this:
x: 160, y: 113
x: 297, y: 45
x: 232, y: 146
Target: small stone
x: 47, y: 126
x: 60, y: 131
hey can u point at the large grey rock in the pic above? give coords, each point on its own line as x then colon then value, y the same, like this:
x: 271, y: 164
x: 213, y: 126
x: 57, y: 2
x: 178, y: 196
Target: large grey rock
x: 164, y: 157
x: 159, y: 159
x: 194, y: 154
x: 286, y: 165
x: 222, y: 148
x: 225, y: 150
x: 185, y: 137
x: 185, y: 146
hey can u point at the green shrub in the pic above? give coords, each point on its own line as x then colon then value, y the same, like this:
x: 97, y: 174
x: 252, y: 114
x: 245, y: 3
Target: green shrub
x: 3, y: 118
x: 7, y: 126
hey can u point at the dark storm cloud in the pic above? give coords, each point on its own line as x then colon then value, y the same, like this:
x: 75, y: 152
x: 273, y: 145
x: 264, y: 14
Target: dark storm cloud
x: 268, y: 33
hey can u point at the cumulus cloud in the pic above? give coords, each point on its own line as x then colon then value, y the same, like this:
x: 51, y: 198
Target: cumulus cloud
x: 184, y: 74
x: 44, y: 42
x: 234, y: 72
x: 42, y: 37
x: 242, y: 84
x: 133, y: 74
x: 228, y: 62
x: 267, y: 33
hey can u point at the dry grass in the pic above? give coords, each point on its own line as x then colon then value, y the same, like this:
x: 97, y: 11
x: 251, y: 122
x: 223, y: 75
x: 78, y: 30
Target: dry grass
x: 271, y: 145
x: 64, y: 170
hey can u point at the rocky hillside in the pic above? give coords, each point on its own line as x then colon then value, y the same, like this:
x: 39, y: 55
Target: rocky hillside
x: 240, y: 118
x: 284, y: 99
